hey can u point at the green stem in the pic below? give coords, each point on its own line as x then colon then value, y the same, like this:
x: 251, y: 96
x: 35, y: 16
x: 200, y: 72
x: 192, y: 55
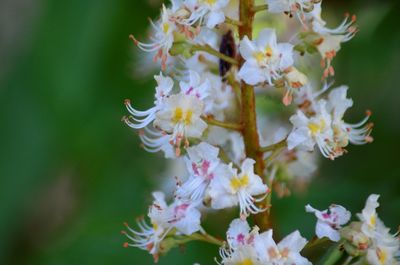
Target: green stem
x: 223, y: 124
x: 333, y: 255
x: 348, y: 260
x: 212, y: 51
x: 207, y: 238
x: 232, y: 21
x: 274, y: 147
x: 260, y: 8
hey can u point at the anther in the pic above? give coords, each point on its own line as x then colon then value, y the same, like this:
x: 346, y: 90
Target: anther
x: 135, y: 41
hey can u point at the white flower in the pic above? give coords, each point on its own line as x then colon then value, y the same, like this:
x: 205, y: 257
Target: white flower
x: 286, y: 252
x: 180, y: 116
x: 344, y: 133
x: 243, y: 255
x: 182, y: 216
x: 199, y: 88
x: 140, y: 119
x: 240, y: 248
x: 385, y: 248
x: 209, y: 11
x: 329, y: 41
x: 383, y: 254
x: 265, y: 58
x: 290, y: 7
x: 229, y: 188
x: 231, y: 141
x: 306, y: 97
x: 162, y: 38
x: 369, y: 217
x: 371, y: 238
x: 154, y: 140
x: 347, y: 29
x: 294, y: 165
x: 295, y: 80
x: 330, y: 221
x: 239, y: 234
x: 201, y: 162
x: 310, y: 131
x: 201, y: 62
x: 247, y: 247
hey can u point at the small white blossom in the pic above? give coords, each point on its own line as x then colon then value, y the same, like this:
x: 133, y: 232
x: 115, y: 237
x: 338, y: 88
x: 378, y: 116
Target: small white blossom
x: 229, y: 188
x: 239, y: 234
x: 199, y: 88
x: 201, y: 162
x: 382, y: 254
x: 201, y: 62
x: 290, y: 165
x: 330, y: 221
x: 310, y: 131
x: 182, y: 216
x: 286, y: 252
x: 371, y: 238
x: 329, y: 40
x: 163, y: 36
x: 247, y: 247
x: 154, y: 141
x: 140, y: 119
x: 295, y: 80
x: 208, y: 11
x: 180, y: 116
x: 231, y: 141
x: 369, y: 217
x: 291, y: 7
x: 265, y: 58
x: 243, y: 255
x: 358, y: 133
x: 306, y: 96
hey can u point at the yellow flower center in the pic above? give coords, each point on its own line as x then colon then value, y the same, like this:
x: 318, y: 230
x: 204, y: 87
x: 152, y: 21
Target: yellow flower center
x: 259, y: 57
x: 372, y: 220
x: 181, y: 116
x: 210, y: 2
x: 316, y: 128
x: 165, y: 27
x: 268, y: 51
x: 382, y: 255
x: 237, y: 183
x: 245, y: 262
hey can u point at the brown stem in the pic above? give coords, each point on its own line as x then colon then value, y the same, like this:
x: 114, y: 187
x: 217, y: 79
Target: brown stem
x: 248, y: 112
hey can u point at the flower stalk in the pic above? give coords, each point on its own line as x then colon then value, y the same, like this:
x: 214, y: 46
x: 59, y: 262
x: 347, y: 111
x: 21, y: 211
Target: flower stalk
x: 248, y: 114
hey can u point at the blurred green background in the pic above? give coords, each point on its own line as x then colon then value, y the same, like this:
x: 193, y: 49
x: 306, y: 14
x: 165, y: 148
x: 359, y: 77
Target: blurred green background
x: 71, y: 172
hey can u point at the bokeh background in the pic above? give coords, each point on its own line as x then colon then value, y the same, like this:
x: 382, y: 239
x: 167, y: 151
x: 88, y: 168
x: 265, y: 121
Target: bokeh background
x: 71, y: 172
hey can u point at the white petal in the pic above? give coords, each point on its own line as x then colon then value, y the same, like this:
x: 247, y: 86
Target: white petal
x: 251, y: 73
x: 215, y: 18
x: 266, y: 37
x: 294, y: 241
x: 246, y: 48
x: 323, y: 229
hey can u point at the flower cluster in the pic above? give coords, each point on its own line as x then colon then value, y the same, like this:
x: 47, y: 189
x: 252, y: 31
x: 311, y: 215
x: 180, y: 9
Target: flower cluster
x: 246, y: 246
x: 368, y: 239
x: 205, y: 116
